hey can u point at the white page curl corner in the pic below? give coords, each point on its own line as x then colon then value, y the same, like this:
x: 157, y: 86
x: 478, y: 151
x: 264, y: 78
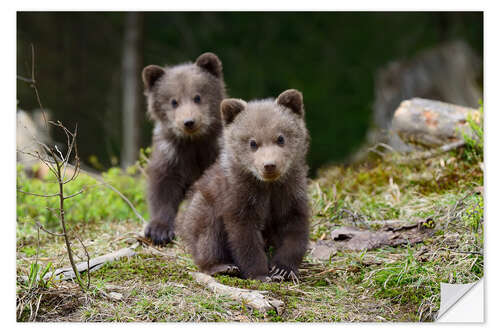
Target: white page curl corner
x: 462, y: 303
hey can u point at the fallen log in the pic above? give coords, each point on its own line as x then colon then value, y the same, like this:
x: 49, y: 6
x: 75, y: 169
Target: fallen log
x: 66, y: 273
x: 426, y: 123
x: 391, y: 233
x: 256, y: 299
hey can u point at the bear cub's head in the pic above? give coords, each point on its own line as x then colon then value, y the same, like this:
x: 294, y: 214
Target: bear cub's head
x: 184, y: 100
x: 266, y: 138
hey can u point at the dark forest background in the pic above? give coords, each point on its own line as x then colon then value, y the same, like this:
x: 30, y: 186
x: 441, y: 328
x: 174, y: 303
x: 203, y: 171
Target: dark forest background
x: 331, y: 57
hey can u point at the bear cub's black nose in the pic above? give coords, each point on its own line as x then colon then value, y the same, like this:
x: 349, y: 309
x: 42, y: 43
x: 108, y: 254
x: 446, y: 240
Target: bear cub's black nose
x: 189, y: 124
x: 270, y: 167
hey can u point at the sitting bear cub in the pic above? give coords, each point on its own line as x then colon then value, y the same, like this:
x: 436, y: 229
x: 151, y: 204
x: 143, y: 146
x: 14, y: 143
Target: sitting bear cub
x: 184, y: 103
x: 252, y: 202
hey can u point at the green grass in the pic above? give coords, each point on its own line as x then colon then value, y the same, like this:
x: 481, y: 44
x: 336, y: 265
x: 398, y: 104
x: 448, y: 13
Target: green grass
x: 385, y: 284
x: 96, y: 204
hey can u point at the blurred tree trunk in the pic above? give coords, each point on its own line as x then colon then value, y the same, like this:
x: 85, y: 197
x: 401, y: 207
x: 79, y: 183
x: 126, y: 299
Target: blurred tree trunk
x: 132, y: 61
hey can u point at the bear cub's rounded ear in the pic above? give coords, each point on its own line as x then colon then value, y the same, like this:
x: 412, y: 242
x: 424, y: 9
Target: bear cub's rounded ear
x: 211, y: 63
x: 292, y: 99
x: 151, y: 74
x: 229, y: 109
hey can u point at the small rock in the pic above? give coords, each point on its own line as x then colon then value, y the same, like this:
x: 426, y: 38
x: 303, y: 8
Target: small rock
x: 479, y: 189
x: 115, y: 296
x: 322, y: 251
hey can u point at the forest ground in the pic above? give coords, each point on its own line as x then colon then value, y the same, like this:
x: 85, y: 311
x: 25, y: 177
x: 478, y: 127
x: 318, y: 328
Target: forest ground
x: 399, y: 283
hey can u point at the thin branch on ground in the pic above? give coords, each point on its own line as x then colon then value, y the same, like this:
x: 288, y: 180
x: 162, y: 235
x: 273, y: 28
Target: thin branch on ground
x: 415, y: 157
x: 256, y: 299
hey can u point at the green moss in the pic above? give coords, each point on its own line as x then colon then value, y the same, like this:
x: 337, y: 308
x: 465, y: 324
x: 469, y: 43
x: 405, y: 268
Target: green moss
x: 146, y: 267
x: 389, y: 283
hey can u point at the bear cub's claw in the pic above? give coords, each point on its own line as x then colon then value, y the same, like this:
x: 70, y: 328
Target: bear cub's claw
x: 225, y: 269
x: 280, y: 273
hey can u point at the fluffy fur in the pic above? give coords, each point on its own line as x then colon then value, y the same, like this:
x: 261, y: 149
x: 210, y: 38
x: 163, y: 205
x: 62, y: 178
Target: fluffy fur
x: 253, y: 201
x: 183, y: 101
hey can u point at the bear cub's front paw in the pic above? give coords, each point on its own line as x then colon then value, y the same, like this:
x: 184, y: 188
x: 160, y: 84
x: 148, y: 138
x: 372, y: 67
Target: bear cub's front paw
x: 282, y: 273
x: 160, y: 233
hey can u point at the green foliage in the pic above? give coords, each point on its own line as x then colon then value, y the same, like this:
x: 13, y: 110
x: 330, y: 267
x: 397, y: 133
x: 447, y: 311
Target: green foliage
x: 474, y: 217
x: 273, y: 316
x: 96, y: 204
x: 37, y: 274
x: 475, y: 141
x: 408, y: 280
x: 144, y: 155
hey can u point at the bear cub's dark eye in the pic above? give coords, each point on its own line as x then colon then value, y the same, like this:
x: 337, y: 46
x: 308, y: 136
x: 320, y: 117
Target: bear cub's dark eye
x: 281, y: 140
x: 174, y: 103
x: 197, y: 99
x: 253, y: 144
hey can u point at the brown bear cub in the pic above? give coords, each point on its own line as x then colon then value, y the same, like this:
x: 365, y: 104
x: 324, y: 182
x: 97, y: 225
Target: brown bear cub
x: 253, y: 201
x: 184, y: 103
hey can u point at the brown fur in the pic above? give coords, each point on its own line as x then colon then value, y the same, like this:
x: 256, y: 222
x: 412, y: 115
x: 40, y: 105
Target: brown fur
x: 178, y: 96
x: 239, y: 208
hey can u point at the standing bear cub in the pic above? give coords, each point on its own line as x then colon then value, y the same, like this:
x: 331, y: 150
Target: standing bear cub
x: 184, y: 103
x: 253, y: 201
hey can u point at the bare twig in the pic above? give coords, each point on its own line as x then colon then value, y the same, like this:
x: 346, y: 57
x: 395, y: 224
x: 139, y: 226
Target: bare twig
x: 61, y: 155
x: 383, y: 145
x: 40, y: 226
x: 74, y: 194
x: 386, y: 146
x: 37, y: 246
x: 125, y: 199
x: 373, y: 150
x: 37, y: 155
x: 33, y: 314
x: 71, y: 145
x: 467, y: 252
x: 88, y: 260
x: 329, y: 271
x: 434, y: 152
x: 114, y: 189
x: 63, y: 225
x: 25, y: 79
x: 39, y: 195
